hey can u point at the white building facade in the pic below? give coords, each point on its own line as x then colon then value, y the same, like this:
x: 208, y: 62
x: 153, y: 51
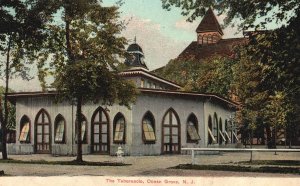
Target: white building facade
x: 161, y: 121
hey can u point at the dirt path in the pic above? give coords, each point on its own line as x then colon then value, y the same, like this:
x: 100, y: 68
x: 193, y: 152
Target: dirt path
x: 140, y: 165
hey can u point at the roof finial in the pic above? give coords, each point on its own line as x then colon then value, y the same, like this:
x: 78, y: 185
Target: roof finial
x: 134, y: 39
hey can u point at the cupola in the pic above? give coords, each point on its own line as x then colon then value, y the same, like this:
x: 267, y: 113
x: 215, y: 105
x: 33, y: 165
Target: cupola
x: 209, y: 30
x: 136, y: 56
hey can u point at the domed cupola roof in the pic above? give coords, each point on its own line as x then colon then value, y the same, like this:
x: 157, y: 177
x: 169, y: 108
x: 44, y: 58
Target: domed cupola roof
x: 136, y: 56
x: 135, y: 48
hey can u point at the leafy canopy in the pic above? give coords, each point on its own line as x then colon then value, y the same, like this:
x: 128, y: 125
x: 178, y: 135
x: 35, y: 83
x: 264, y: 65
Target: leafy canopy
x: 247, y: 11
x: 84, y: 52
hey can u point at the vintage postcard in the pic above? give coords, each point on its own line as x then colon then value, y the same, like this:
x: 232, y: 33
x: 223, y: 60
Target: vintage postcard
x: 140, y: 92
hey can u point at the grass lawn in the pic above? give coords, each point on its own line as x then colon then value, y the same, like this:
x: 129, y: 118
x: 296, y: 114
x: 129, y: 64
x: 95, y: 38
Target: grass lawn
x: 74, y: 162
x: 272, y: 162
x: 239, y: 168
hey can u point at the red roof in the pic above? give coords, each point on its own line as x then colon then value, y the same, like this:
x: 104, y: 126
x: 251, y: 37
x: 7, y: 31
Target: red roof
x: 209, y: 23
x: 197, y: 51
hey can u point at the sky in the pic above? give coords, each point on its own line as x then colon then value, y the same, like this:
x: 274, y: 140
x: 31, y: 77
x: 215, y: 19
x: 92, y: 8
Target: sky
x: 162, y: 34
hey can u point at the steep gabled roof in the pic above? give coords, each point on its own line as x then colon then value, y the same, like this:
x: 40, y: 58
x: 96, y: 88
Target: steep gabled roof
x: 199, y: 52
x: 209, y: 23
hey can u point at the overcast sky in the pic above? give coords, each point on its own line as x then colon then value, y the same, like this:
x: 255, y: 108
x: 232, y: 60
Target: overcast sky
x: 161, y: 34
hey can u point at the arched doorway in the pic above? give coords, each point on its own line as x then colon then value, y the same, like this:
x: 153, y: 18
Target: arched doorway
x: 100, y: 142
x: 42, y: 132
x: 171, y: 133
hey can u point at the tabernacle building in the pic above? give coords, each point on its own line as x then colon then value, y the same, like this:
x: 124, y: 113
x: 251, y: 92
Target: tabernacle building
x: 163, y: 120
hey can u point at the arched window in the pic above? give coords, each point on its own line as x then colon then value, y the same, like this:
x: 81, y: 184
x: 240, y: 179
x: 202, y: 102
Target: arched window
x: 200, y: 39
x: 215, y: 38
x: 192, y: 129
x: 119, y: 128
x: 60, y: 129
x: 42, y: 132
x: 83, y: 129
x: 24, y: 130
x: 204, y: 39
x: 148, y: 128
x: 171, y: 132
x: 221, y: 136
x: 211, y: 138
x: 209, y: 39
x: 226, y: 131
x: 215, y: 128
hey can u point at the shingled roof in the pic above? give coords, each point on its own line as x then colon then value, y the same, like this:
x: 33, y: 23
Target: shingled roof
x: 224, y: 48
x: 209, y: 23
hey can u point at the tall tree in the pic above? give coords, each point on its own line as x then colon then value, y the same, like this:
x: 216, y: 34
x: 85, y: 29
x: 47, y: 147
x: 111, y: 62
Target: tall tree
x: 21, y: 24
x: 247, y: 85
x: 247, y: 11
x: 276, y: 52
x: 81, y: 53
x: 279, y: 52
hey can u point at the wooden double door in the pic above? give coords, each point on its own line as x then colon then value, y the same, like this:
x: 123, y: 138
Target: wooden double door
x: 171, y: 133
x: 42, y: 133
x: 100, y: 134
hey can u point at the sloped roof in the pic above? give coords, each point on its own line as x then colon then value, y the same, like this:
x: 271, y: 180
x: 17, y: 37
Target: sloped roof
x: 14, y: 96
x: 209, y: 23
x: 134, y: 48
x: 147, y: 74
x: 136, y: 57
x: 224, y: 48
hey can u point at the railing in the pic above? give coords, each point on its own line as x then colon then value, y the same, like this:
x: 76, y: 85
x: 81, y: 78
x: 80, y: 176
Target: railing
x: 235, y: 150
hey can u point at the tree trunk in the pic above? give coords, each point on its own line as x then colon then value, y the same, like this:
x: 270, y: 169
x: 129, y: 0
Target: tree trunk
x: 1, y: 119
x: 79, y: 98
x: 68, y: 38
x: 4, y: 124
x: 251, y: 139
x: 78, y: 127
x: 269, y: 136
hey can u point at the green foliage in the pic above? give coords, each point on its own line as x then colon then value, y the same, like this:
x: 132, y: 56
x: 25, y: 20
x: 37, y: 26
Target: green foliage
x: 87, y: 44
x: 212, y: 75
x: 81, y: 53
x: 21, y: 35
x: 266, y: 78
x: 11, y: 124
x: 21, y: 29
x: 241, y: 168
x: 94, y: 82
x: 278, y: 53
x: 247, y: 11
x: 83, y: 163
x: 179, y: 71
